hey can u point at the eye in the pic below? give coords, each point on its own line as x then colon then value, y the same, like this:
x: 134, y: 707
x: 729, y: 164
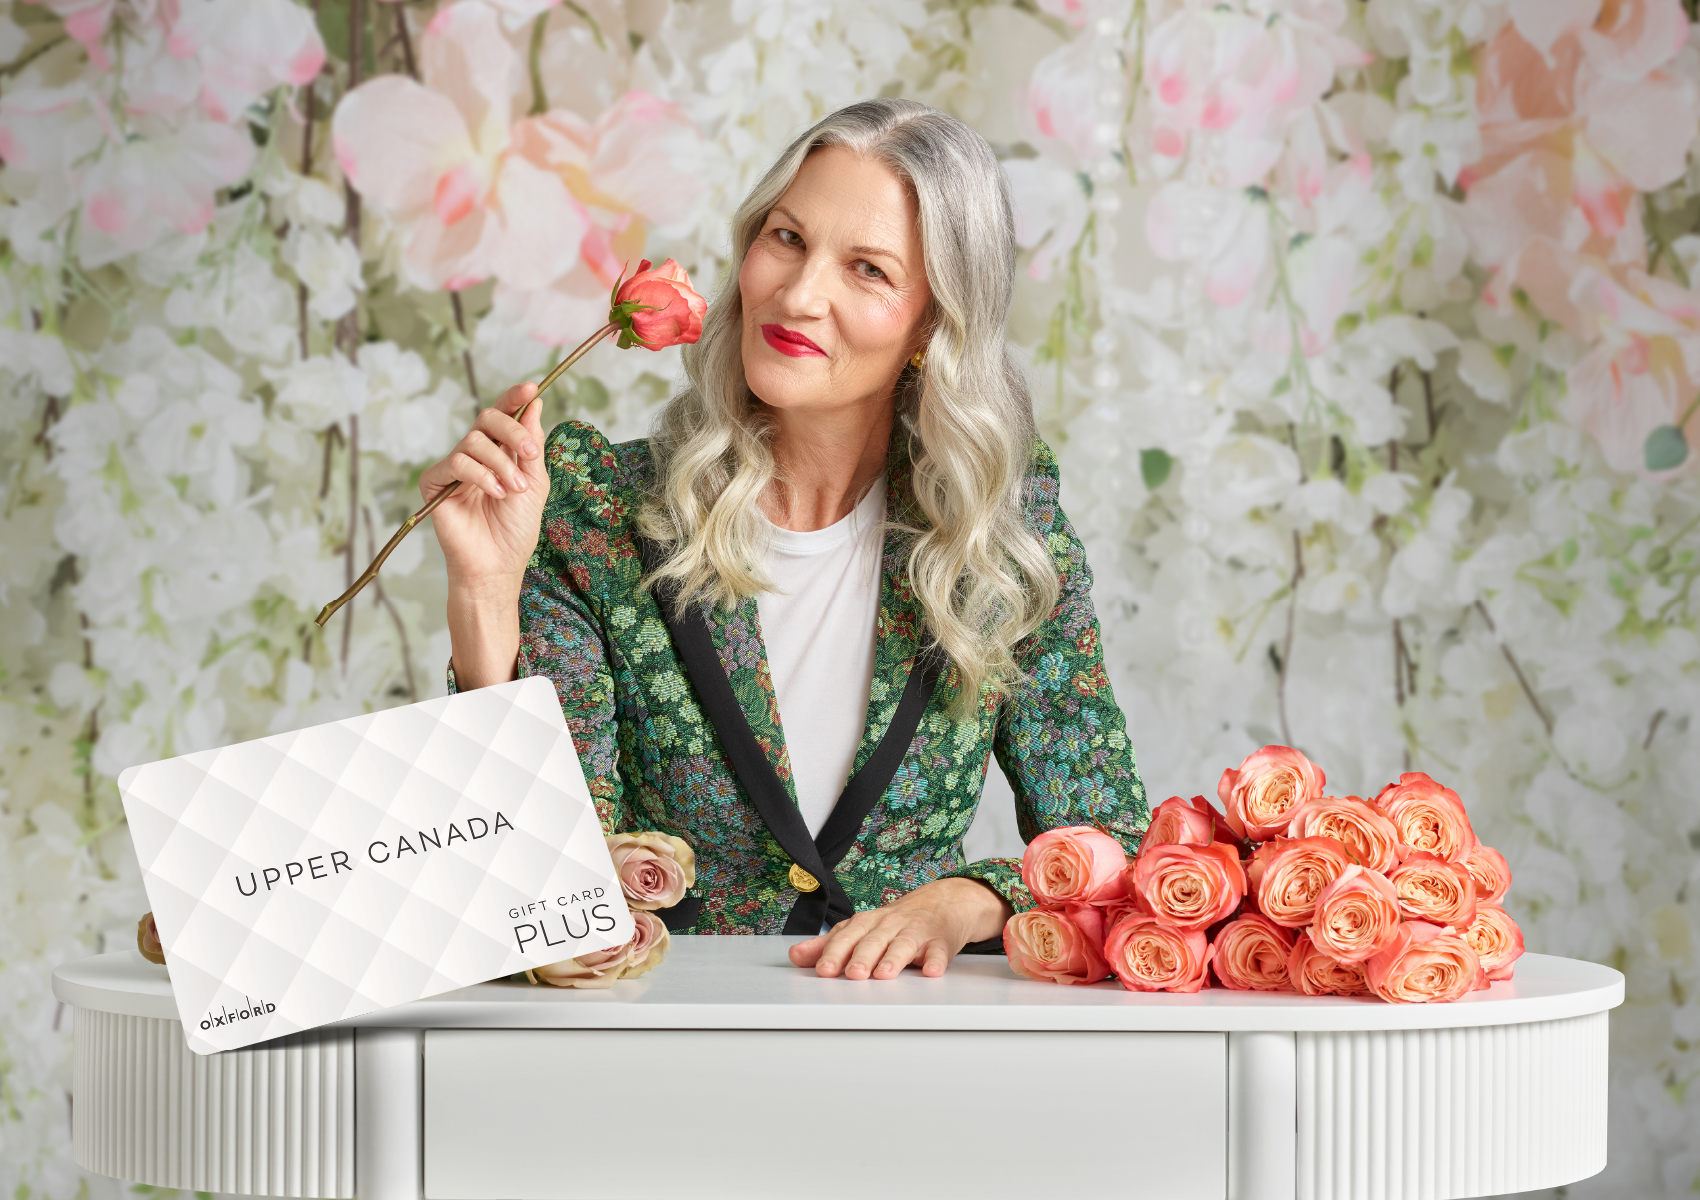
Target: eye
x: 867, y: 270
x: 788, y: 237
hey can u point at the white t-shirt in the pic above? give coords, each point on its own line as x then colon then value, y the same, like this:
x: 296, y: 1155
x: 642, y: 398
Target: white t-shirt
x: 817, y: 623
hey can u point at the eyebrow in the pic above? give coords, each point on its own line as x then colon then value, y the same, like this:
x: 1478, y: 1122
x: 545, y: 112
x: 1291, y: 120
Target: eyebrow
x: 865, y: 251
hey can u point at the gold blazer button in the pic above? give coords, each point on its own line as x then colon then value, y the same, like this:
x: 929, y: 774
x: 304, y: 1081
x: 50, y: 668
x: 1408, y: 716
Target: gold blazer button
x: 802, y: 880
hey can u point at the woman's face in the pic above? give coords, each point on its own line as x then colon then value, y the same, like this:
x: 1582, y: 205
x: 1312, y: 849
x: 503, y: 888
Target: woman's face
x: 833, y: 287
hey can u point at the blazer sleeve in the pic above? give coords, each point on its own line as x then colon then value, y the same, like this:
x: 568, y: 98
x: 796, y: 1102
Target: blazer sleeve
x: 1060, y: 737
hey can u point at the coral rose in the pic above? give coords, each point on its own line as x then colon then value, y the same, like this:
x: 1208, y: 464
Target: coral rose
x: 1424, y: 964
x: 147, y: 940
x: 1189, y: 887
x: 1432, y: 889
x: 665, y: 310
x: 654, y: 868
x: 1356, y: 915
x: 1149, y: 956
x: 1055, y: 945
x: 1368, y: 836
x: 1496, y: 939
x: 1491, y: 872
x: 1178, y: 822
x: 1251, y: 955
x: 1288, y: 874
x: 1260, y: 795
x: 1317, y: 974
x: 1075, y: 864
x: 1428, y: 817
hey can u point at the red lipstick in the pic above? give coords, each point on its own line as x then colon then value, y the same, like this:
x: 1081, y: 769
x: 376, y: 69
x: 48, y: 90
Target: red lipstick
x: 790, y: 342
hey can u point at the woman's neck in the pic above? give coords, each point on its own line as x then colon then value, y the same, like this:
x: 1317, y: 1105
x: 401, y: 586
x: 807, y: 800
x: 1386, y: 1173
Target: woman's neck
x: 826, y: 462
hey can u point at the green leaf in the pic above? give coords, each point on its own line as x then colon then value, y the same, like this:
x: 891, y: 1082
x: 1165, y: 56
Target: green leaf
x: 1666, y: 448
x: 1154, y: 467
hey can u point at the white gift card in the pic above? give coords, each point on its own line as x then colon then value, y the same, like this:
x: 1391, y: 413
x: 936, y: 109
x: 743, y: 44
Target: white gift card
x: 325, y: 873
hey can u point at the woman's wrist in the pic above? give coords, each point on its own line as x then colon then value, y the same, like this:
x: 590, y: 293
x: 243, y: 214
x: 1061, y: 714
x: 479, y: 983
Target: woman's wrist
x: 484, y: 631
x: 980, y: 911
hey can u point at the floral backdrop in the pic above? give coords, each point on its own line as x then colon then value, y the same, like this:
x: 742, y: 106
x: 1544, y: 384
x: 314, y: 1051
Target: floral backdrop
x: 1368, y: 335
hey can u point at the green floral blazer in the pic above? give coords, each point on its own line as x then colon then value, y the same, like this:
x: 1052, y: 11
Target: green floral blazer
x: 653, y: 761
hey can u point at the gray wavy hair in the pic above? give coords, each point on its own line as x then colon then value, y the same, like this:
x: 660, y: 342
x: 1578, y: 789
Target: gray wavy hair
x: 984, y: 579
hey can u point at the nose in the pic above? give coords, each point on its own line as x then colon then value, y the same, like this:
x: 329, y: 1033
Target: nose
x: 807, y: 292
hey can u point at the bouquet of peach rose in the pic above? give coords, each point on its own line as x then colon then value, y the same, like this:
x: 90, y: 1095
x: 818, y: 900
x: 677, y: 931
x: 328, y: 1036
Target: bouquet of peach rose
x: 655, y: 869
x: 1283, y: 889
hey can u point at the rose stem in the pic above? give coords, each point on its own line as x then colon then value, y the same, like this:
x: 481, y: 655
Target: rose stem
x: 371, y: 572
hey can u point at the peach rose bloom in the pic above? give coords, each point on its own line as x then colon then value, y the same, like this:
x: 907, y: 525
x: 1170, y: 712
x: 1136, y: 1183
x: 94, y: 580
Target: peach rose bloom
x: 1251, y: 955
x: 1288, y: 874
x: 1149, y: 956
x: 1424, y: 964
x: 147, y: 940
x: 1260, y: 796
x: 1317, y: 974
x: 1356, y: 916
x: 1369, y: 837
x: 1432, y: 889
x: 1049, y: 945
x: 1428, y: 817
x: 655, y: 869
x: 1496, y: 939
x: 1491, y: 872
x: 1178, y: 822
x: 598, y: 969
x: 1075, y: 864
x: 649, y: 945
x: 1189, y: 887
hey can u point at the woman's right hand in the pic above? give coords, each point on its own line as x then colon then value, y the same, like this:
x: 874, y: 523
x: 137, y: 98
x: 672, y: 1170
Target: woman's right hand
x: 488, y: 530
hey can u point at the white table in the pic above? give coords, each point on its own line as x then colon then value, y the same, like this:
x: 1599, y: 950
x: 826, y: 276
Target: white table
x: 729, y: 1073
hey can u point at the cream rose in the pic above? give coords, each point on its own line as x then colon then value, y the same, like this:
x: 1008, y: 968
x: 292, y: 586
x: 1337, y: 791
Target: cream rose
x: 1491, y: 872
x: 1189, y: 887
x: 1075, y: 864
x: 602, y: 968
x: 1428, y: 817
x: 1288, y: 874
x: 1054, y: 945
x: 1356, y: 915
x: 1260, y: 796
x: 1149, y: 956
x: 1251, y: 954
x: 649, y: 945
x: 1317, y: 974
x: 1496, y: 939
x: 1432, y: 889
x: 655, y: 869
x: 1368, y: 836
x: 1178, y: 822
x: 147, y: 940
x: 1424, y: 964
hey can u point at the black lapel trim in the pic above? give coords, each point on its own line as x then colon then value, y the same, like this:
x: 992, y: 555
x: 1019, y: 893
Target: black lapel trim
x: 818, y: 856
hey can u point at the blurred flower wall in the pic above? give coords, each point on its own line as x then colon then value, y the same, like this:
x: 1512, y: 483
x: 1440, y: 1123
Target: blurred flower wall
x: 1368, y: 335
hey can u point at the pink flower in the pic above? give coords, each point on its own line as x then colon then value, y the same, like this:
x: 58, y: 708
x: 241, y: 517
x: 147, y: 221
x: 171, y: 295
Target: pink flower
x: 667, y: 311
x: 245, y: 50
x: 655, y: 869
x: 602, y: 968
x: 1428, y: 817
x: 649, y: 944
x: 1261, y: 795
x: 1189, y: 887
x: 1432, y: 889
x: 1368, y: 837
x: 435, y: 158
x: 1496, y: 939
x: 147, y: 940
x: 1356, y: 916
x: 1491, y: 872
x: 1056, y: 945
x: 1062, y: 100
x: 1288, y: 874
x: 1075, y: 864
x: 1317, y: 974
x: 1178, y: 822
x: 1423, y: 964
x: 1149, y: 956
x: 1251, y: 954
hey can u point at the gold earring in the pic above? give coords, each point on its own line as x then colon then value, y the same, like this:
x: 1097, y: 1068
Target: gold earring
x: 919, y: 358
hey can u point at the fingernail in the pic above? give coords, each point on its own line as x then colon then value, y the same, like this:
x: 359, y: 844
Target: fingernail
x: 519, y: 483
x: 527, y: 449
x: 498, y: 488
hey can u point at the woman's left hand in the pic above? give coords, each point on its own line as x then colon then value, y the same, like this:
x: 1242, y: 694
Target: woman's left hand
x: 927, y: 926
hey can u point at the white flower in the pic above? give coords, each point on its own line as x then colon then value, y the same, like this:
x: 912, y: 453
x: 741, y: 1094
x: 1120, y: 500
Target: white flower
x: 320, y: 390
x: 330, y: 267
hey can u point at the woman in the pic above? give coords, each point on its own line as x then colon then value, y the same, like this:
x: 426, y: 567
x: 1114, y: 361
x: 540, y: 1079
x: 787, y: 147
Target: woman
x: 878, y: 586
